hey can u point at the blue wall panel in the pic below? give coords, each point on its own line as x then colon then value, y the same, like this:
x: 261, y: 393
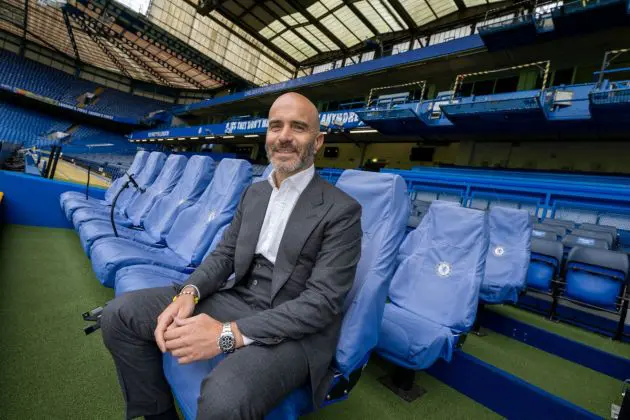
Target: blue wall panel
x: 30, y: 200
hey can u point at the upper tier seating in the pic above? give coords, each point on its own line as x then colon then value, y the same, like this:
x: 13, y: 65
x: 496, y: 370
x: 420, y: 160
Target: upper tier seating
x: 71, y: 200
x: 545, y: 263
x: 435, y: 290
x: 139, y: 206
x: 508, y: 256
x: 385, y: 211
x: 144, y: 179
x: 191, y: 234
x: 596, y: 277
x: 26, y: 74
x: 28, y: 127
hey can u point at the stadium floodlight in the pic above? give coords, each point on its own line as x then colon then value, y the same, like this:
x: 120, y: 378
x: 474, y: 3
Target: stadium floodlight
x: 228, y: 137
x: 252, y: 135
x: 194, y: 138
x: 209, y: 137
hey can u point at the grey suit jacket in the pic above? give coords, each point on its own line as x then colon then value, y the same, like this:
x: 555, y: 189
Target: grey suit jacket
x: 314, y: 270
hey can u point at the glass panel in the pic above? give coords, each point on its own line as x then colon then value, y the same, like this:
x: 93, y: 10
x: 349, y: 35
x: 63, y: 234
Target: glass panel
x: 443, y: 7
x: 473, y: 3
x: 298, y: 43
x: 323, y: 38
x: 312, y: 39
x: 340, y: 31
x: 322, y: 68
x: 353, y: 23
x: 449, y: 35
x: 419, y: 11
x: 367, y: 56
x: 400, y: 48
x: 317, y: 9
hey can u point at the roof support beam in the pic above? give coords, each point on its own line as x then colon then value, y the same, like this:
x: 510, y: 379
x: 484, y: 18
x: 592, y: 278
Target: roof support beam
x: 297, y: 6
x: 25, y: 27
x: 139, y: 61
x: 119, y: 39
x: 362, y: 18
x: 404, y: 15
x: 66, y: 19
x: 273, y: 13
x: 104, y: 48
x: 460, y: 4
x: 254, y: 33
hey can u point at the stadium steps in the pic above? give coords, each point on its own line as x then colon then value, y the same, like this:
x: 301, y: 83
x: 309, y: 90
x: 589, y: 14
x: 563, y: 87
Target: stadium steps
x: 56, y: 370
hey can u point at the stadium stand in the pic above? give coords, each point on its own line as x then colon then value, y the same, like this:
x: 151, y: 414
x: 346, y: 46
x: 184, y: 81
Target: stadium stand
x: 22, y: 73
x: 488, y: 156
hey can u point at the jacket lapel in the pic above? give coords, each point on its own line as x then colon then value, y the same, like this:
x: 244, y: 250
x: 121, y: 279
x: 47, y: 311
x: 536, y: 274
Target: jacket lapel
x: 307, y: 213
x: 251, y: 225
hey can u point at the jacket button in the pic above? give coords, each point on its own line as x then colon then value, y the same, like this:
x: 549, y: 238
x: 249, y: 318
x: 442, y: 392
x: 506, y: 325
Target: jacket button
x: 255, y: 283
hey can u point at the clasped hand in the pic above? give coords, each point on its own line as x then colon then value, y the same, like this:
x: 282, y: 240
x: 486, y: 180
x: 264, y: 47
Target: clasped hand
x: 188, y: 338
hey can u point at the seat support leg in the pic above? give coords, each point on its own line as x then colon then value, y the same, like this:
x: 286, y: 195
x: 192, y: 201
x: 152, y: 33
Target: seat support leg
x: 622, y: 318
x: 476, y: 328
x: 402, y: 383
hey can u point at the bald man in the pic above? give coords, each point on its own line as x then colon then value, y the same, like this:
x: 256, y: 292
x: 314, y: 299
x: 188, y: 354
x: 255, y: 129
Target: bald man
x: 293, y: 247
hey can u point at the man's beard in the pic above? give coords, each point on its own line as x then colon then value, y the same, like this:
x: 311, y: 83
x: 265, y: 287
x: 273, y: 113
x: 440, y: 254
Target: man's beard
x: 306, y: 157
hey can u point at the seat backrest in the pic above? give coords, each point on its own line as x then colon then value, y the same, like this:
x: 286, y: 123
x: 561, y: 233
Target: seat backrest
x: 441, y: 266
x: 544, y: 234
x: 145, y: 177
x: 567, y: 224
x: 385, y: 209
x: 194, y: 181
x: 561, y: 231
x: 508, y: 255
x: 138, y: 163
x: 572, y: 241
x: 549, y: 249
x: 195, y: 228
x: 600, y: 228
x: 613, y: 261
x: 604, y: 236
x: 165, y: 182
x: 264, y: 175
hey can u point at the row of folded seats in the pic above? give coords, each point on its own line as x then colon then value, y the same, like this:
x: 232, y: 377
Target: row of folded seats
x: 434, y: 277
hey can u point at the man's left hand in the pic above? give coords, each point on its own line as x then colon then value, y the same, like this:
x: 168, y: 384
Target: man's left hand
x: 194, y: 338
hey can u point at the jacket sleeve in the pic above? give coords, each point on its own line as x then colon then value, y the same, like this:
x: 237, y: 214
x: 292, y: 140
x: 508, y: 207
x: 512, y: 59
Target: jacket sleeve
x: 322, y: 300
x: 214, y: 271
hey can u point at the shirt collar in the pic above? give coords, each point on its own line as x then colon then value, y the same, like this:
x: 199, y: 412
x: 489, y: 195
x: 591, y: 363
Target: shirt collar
x: 299, y: 181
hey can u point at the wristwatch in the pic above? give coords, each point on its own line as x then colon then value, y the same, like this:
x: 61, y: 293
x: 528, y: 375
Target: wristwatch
x: 227, y: 342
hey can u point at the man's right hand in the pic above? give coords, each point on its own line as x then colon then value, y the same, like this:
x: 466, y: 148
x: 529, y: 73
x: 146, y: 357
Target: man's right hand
x: 182, y: 308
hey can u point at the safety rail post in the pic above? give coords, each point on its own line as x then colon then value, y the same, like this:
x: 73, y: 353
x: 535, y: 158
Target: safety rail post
x: 622, y: 316
x: 54, y: 165
x: 87, y: 186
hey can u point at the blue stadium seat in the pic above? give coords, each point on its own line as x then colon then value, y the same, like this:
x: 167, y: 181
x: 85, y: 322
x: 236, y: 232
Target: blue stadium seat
x: 385, y: 210
x: 545, y: 263
x: 435, y: 290
x: 139, y: 206
x: 73, y: 200
x: 596, y: 277
x: 195, y: 180
x: 145, y: 178
x: 144, y: 276
x: 191, y: 234
x: 508, y: 256
x: 264, y: 175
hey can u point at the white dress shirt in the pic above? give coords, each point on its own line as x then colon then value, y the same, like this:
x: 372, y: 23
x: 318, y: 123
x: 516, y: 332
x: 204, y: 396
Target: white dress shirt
x: 281, y: 205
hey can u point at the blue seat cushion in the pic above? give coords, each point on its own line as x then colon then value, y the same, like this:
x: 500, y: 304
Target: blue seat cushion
x: 73, y: 204
x: 138, y: 277
x: 111, y: 254
x: 411, y: 341
x: 93, y: 230
x: 540, y: 275
x: 185, y: 381
x: 593, y: 285
x: 86, y: 214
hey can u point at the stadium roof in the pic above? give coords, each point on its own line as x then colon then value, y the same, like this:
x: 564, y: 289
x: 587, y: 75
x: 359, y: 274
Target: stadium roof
x: 303, y: 29
x: 214, y: 44
x: 116, y: 39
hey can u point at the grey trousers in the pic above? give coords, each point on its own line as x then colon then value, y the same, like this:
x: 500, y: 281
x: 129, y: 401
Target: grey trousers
x: 245, y: 385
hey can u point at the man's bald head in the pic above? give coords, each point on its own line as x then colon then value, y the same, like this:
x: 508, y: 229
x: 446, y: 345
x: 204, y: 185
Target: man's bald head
x: 297, y: 101
x: 293, y: 136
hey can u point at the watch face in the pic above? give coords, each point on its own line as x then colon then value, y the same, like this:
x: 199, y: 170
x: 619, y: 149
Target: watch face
x: 226, y: 343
